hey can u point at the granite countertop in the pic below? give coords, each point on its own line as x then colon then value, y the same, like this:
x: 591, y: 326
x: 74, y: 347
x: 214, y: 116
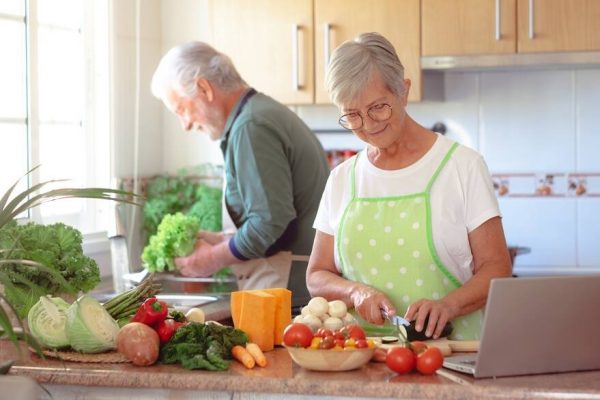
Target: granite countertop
x: 282, y: 375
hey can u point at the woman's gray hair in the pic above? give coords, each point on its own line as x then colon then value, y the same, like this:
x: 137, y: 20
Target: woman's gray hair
x: 354, y: 62
x: 183, y: 65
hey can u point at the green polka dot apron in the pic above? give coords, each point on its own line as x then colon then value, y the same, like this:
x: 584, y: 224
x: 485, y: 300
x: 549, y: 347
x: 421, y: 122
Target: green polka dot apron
x: 387, y: 243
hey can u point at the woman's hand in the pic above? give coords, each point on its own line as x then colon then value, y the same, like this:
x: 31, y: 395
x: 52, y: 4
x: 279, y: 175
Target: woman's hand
x: 439, y: 312
x: 370, y: 302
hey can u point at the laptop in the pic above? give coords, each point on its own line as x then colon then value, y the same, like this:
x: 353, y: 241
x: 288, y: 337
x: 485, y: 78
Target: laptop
x: 535, y: 326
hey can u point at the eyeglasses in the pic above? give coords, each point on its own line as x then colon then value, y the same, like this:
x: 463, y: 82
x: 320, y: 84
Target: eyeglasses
x: 378, y: 113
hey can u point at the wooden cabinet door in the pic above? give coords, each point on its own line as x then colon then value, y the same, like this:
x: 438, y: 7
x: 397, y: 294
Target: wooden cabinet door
x: 462, y: 27
x: 558, y: 25
x: 270, y: 43
x: 339, y: 20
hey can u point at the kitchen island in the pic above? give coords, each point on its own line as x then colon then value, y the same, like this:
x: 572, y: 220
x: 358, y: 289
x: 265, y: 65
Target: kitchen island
x: 70, y: 380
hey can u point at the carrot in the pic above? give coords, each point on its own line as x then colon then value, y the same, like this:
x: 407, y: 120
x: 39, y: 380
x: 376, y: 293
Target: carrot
x: 242, y: 355
x: 257, y: 354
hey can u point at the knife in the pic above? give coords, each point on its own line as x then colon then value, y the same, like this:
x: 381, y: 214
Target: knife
x: 405, y: 329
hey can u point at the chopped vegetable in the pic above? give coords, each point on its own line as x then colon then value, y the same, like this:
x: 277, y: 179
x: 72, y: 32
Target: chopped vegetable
x: 151, y: 312
x: 90, y: 328
x: 202, y: 346
x: 176, y: 237
x: 243, y: 356
x: 257, y: 354
x: 47, y: 320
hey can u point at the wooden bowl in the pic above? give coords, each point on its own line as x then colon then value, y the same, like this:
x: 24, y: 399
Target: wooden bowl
x: 330, y: 360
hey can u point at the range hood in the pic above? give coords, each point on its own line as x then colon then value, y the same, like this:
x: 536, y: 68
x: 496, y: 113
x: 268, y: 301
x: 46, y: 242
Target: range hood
x: 512, y: 61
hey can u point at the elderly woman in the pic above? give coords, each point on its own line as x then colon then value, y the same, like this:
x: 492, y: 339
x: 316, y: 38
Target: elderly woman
x: 409, y: 226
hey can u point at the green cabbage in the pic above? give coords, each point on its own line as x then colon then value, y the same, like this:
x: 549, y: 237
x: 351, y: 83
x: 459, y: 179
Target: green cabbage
x: 90, y: 328
x: 47, y: 319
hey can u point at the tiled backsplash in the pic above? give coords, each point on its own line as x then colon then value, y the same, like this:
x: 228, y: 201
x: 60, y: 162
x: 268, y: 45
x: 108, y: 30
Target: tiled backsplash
x: 539, y: 131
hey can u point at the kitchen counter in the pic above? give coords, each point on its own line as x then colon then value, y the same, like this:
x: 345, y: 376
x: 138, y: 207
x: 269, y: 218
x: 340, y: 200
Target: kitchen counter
x: 79, y: 380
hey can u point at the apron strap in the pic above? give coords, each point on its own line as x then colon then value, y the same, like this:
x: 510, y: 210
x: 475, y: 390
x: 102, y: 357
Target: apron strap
x: 440, y: 167
x: 352, y: 178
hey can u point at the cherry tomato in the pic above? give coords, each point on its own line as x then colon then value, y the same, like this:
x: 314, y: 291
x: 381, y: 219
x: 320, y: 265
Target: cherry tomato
x: 353, y: 331
x: 361, y: 344
x: 430, y: 361
x: 339, y: 342
x: 322, y: 333
x: 418, y: 347
x: 327, y: 343
x: 297, y: 335
x: 339, y: 335
x: 400, y: 360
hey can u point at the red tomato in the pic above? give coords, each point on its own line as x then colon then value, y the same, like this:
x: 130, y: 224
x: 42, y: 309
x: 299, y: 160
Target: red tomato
x: 361, y: 344
x: 323, y: 333
x: 297, y: 335
x: 327, y: 343
x: 430, y: 361
x: 339, y: 342
x: 418, y: 347
x: 401, y: 360
x: 353, y: 332
x: 339, y: 335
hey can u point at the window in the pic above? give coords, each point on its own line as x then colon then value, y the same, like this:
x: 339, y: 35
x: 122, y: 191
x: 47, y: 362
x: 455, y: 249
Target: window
x: 54, y: 102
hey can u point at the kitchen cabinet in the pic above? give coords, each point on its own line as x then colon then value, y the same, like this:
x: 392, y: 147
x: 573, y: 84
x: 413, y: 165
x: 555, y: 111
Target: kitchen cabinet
x: 466, y: 27
x: 339, y: 20
x: 280, y: 47
x: 270, y: 43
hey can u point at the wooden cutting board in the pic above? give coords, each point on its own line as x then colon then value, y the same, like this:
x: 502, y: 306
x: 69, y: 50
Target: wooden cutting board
x: 446, y: 346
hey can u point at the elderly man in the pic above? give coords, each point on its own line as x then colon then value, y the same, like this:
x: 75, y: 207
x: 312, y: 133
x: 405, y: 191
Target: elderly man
x: 275, y: 171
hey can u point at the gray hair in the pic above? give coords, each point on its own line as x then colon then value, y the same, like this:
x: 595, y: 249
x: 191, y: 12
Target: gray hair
x: 354, y: 63
x: 180, y: 68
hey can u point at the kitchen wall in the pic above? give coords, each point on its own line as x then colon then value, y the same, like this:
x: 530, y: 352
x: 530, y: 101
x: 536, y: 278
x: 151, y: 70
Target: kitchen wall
x: 526, y: 123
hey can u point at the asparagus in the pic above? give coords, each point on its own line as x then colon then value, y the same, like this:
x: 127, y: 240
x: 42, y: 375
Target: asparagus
x: 126, y: 304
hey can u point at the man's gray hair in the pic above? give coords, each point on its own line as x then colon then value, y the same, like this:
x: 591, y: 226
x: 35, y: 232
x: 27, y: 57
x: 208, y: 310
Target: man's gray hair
x: 183, y: 65
x: 354, y: 63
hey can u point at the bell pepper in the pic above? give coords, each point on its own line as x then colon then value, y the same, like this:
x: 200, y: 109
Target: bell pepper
x: 151, y: 312
x: 166, y: 329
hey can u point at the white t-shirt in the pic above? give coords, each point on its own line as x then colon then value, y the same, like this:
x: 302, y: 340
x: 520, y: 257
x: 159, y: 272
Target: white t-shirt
x: 462, y: 198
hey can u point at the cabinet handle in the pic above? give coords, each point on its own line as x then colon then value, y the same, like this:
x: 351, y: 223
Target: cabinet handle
x: 295, y: 57
x: 531, y: 31
x: 326, y: 46
x: 498, y: 16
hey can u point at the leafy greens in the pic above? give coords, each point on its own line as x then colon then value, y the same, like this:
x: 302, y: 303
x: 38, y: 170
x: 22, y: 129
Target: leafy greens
x: 57, y: 247
x: 202, y: 346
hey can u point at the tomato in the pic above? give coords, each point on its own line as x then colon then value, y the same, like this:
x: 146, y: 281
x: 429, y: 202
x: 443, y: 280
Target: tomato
x: 361, y: 344
x: 297, y: 335
x: 339, y: 342
x: 339, y: 335
x: 353, y: 331
x: 418, y: 347
x: 401, y: 360
x: 430, y: 361
x: 323, y: 333
x: 327, y: 343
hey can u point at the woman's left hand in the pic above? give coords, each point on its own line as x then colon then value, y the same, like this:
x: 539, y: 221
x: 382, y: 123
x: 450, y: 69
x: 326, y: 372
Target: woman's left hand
x: 439, y: 312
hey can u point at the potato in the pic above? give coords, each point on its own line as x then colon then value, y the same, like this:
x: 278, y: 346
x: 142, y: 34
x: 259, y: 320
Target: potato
x: 139, y: 343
